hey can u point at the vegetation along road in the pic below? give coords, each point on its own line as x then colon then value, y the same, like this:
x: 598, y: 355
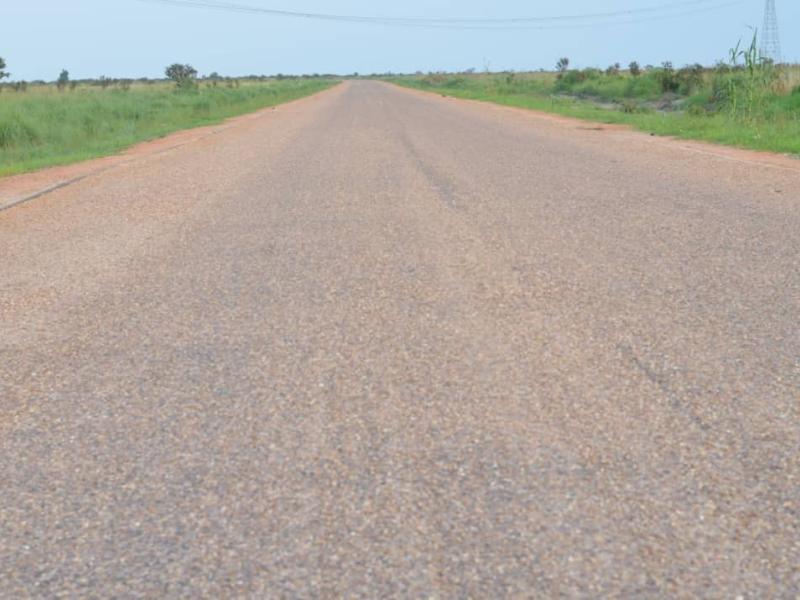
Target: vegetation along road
x: 384, y: 343
x: 44, y: 125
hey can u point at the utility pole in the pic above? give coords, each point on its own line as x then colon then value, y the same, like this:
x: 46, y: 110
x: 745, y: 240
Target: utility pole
x: 770, y: 38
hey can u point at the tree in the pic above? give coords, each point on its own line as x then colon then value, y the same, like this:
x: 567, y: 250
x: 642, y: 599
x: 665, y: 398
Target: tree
x: 635, y: 69
x: 613, y: 70
x: 3, y: 73
x: 182, y: 75
x: 562, y: 65
x: 63, y: 79
x: 214, y: 78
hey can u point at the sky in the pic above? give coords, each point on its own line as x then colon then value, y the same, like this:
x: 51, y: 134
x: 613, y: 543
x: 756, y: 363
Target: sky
x: 132, y: 38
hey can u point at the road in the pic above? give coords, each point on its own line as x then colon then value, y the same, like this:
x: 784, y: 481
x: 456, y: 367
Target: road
x: 378, y: 343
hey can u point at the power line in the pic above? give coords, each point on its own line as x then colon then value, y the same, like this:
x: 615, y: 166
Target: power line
x: 477, y: 23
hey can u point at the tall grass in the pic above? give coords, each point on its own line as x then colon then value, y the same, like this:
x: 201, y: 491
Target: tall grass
x: 44, y: 126
x: 745, y: 101
x: 791, y: 76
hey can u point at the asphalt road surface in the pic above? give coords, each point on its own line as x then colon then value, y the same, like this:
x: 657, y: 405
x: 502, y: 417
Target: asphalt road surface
x: 378, y: 343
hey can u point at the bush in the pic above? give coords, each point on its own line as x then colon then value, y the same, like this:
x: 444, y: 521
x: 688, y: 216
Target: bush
x: 690, y: 79
x: 696, y: 110
x: 642, y: 87
x: 454, y: 82
x: 183, y: 75
x: 667, y: 79
x: 63, y: 80
x: 699, y: 104
x: 569, y: 79
x: 443, y: 80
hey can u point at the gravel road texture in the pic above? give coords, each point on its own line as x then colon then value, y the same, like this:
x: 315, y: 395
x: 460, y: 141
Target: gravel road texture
x: 379, y: 343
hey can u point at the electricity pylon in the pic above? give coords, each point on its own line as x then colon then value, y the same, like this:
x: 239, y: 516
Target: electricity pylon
x: 770, y: 38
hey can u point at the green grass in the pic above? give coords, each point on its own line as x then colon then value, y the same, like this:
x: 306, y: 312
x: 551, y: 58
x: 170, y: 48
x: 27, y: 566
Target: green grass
x: 773, y: 124
x: 44, y: 127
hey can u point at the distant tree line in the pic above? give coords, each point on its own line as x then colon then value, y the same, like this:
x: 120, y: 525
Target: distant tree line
x: 184, y: 76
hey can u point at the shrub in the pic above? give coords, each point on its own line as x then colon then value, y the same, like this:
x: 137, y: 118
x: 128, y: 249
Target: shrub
x: 63, y: 80
x: 696, y: 110
x: 699, y: 104
x: 215, y: 78
x: 722, y: 68
x: 569, y: 79
x: 183, y: 75
x: 642, y: 87
x: 454, y: 82
x: 431, y: 80
x: 690, y: 78
x: 667, y: 79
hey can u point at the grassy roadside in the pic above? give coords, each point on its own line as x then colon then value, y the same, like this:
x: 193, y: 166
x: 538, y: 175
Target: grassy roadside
x: 45, y: 127
x: 698, y: 112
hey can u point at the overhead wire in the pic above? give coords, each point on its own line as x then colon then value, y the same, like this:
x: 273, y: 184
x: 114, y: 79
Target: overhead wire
x: 573, y: 21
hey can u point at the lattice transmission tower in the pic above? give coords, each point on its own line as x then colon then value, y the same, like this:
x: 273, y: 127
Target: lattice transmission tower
x: 770, y: 37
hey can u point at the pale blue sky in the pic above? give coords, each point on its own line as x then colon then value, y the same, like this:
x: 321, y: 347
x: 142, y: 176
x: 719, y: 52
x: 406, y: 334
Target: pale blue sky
x: 127, y: 38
